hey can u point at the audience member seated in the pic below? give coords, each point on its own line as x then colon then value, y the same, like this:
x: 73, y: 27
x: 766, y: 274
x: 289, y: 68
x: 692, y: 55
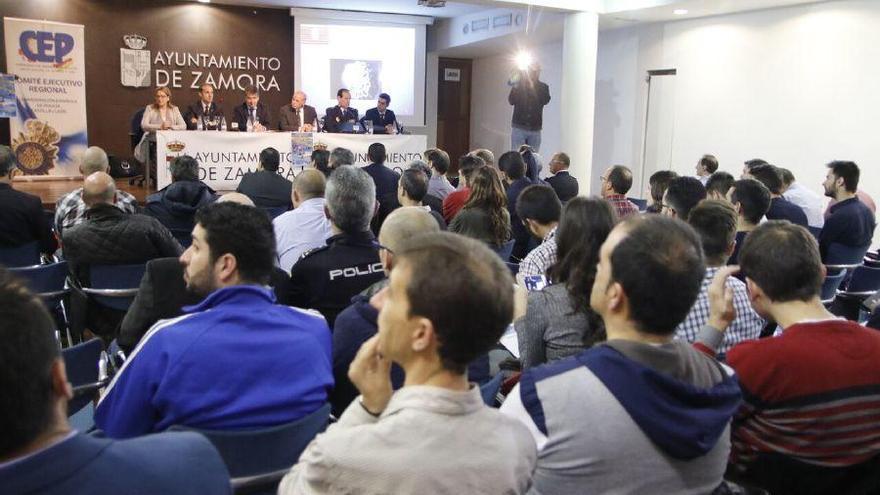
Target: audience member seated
x: 41, y: 453
x: 658, y: 183
x: 272, y: 361
x: 453, y: 203
x: 21, y: 214
x: 306, y: 227
x: 163, y: 292
x: 559, y: 322
x: 809, y: 201
x: 434, y: 435
x: 320, y: 160
x: 175, y: 205
x: 641, y: 413
x: 386, y: 184
x: 851, y: 223
x: 533, y: 162
x: 751, y: 200
x: 484, y: 217
x: 70, y: 209
x: 412, y: 189
x: 438, y: 185
x: 515, y: 168
x: 718, y: 184
x: 108, y: 236
x: 706, y: 166
x: 748, y: 165
x: 486, y: 155
x: 326, y: 278
x: 251, y: 115
x: 715, y: 222
x: 539, y: 208
x: 265, y: 187
x: 357, y: 323
x: 340, y: 156
x: 432, y: 202
x: 780, y: 208
x: 681, y: 196
x: 562, y: 182
x: 809, y: 421
x: 616, y: 182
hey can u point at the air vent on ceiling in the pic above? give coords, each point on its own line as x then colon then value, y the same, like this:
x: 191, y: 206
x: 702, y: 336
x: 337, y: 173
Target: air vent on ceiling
x: 432, y: 3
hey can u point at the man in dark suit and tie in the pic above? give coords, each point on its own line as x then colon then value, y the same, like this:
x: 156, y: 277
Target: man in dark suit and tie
x: 251, y: 110
x: 204, y: 108
x: 337, y: 117
x: 565, y: 185
x: 384, y: 121
x: 297, y: 117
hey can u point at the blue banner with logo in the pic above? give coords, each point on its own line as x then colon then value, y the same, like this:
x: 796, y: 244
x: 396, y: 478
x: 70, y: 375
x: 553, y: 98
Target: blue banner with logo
x: 47, y: 59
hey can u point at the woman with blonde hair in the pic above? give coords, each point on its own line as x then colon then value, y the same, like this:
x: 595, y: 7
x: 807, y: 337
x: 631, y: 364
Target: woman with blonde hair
x: 158, y: 116
x: 484, y: 216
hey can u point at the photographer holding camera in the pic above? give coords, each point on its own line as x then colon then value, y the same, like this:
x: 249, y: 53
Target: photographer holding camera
x: 528, y: 95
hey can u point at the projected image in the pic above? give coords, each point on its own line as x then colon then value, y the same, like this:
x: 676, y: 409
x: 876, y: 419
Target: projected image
x: 367, y: 60
x: 361, y: 77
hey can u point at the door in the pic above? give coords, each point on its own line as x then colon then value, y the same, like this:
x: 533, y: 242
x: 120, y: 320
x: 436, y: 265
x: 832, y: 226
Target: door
x: 454, y: 109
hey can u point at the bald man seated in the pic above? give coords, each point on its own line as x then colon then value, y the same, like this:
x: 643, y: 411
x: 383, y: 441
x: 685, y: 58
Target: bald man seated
x: 306, y: 227
x: 109, y: 236
x: 70, y: 209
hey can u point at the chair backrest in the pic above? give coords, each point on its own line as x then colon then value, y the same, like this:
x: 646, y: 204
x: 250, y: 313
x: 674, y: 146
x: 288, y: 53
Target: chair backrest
x: 260, y: 451
x: 831, y: 284
x: 22, y: 255
x: 136, y: 130
x: 81, y: 362
x: 815, y: 231
x: 490, y: 389
x: 114, y: 286
x: 641, y: 203
x: 513, y: 267
x: 274, y: 211
x: 46, y: 281
x: 865, y: 280
x: 505, y: 250
x: 838, y: 254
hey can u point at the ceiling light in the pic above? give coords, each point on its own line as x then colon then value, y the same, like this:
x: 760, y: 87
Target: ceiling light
x: 680, y: 11
x: 204, y: 1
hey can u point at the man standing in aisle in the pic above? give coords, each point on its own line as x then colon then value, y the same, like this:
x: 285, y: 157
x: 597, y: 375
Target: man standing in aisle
x: 528, y: 96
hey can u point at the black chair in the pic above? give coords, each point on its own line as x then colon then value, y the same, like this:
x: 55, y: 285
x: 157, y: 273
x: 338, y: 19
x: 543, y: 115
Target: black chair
x: 23, y: 255
x: 844, y: 257
x: 114, y: 286
x: 48, y: 282
x: 641, y: 203
x: 489, y: 390
x: 257, y: 459
x: 82, y: 363
x: 864, y: 283
x: 830, y: 285
x: 815, y: 231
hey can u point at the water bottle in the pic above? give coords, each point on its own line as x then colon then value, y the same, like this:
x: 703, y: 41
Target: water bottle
x: 200, y: 124
x: 223, y: 124
x: 250, y: 124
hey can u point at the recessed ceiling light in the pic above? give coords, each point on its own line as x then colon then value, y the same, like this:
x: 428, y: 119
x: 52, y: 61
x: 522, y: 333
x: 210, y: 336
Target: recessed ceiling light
x: 204, y: 1
x: 676, y: 11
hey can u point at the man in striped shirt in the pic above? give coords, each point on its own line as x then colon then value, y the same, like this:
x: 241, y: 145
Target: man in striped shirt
x: 810, y: 421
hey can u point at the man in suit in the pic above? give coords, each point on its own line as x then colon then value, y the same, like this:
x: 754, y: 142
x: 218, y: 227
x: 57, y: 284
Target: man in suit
x: 265, y: 187
x: 386, y: 181
x: 204, y: 108
x: 297, y: 117
x: 336, y: 117
x: 34, y: 409
x: 562, y: 182
x: 384, y: 121
x: 251, y: 110
x: 21, y: 214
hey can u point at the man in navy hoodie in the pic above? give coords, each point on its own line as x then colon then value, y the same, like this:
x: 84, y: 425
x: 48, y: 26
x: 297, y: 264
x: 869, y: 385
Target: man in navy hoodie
x: 640, y: 413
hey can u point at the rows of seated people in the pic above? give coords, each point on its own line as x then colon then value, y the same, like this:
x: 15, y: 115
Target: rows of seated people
x: 686, y: 351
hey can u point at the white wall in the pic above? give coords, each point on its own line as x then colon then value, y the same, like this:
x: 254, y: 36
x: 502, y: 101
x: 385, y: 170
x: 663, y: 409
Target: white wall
x: 490, y: 111
x: 797, y: 86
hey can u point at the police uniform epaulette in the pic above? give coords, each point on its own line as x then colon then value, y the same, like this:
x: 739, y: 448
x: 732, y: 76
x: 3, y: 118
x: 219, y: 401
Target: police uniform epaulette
x: 313, y: 251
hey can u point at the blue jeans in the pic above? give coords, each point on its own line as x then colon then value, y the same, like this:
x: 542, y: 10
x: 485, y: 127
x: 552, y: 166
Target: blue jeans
x: 521, y: 136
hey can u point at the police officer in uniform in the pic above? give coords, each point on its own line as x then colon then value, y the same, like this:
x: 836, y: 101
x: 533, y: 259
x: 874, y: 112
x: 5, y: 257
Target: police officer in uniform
x: 326, y: 278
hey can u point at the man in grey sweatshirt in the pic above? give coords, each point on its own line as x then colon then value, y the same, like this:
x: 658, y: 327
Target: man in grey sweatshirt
x: 640, y: 413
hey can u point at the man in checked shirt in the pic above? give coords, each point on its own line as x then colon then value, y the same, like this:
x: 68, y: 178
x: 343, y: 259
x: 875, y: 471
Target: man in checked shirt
x: 70, y: 209
x: 715, y: 222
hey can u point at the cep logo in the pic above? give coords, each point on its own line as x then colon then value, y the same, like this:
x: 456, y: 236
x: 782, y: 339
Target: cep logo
x: 356, y: 271
x: 43, y: 46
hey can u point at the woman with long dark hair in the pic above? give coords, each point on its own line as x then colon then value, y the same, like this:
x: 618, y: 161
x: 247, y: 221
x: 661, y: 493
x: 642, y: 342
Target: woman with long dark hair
x: 559, y: 322
x: 484, y: 216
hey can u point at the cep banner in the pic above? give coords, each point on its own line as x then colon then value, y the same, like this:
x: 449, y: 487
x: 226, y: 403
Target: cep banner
x: 48, y: 134
x: 224, y: 157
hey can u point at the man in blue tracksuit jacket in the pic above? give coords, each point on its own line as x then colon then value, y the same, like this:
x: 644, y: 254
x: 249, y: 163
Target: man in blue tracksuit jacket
x: 235, y: 360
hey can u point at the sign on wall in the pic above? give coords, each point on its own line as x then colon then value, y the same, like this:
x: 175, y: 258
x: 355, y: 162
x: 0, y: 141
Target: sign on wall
x: 48, y: 59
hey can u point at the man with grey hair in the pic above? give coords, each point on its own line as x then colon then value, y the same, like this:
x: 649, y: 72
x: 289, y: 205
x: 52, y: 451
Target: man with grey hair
x: 328, y: 277
x: 297, y: 116
x: 69, y: 210
x: 341, y: 156
x: 306, y: 226
x: 175, y: 205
